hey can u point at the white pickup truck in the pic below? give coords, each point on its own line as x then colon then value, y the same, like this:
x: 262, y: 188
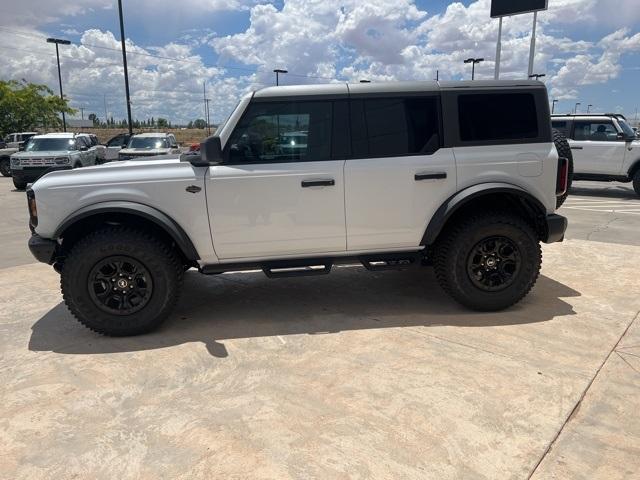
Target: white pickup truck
x: 463, y: 176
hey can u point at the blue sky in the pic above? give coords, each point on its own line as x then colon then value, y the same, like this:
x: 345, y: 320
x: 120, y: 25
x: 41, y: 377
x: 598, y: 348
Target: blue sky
x: 589, y: 49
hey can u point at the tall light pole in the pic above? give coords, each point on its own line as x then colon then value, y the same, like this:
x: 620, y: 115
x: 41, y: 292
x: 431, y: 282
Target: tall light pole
x: 207, y: 100
x: 589, y: 107
x: 537, y: 76
x: 473, y: 62
x: 59, y: 41
x: 575, y: 110
x: 553, y: 105
x: 278, y: 71
x: 126, y: 72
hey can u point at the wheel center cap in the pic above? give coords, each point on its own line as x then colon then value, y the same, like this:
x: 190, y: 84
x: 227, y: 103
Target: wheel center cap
x: 122, y: 283
x: 491, y: 262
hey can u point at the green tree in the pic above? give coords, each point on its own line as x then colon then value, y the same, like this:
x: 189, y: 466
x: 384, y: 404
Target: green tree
x: 26, y: 106
x: 162, y: 122
x: 94, y: 118
x: 199, y: 123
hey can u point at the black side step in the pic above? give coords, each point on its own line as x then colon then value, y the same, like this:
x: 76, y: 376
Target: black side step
x: 390, y: 261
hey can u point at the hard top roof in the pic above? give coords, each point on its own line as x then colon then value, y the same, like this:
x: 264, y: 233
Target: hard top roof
x: 389, y: 87
x: 56, y: 135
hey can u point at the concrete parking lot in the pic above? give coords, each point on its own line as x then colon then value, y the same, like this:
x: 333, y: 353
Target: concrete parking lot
x: 351, y: 375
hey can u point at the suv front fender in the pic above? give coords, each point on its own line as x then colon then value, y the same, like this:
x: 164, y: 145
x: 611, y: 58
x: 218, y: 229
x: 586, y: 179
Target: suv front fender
x: 475, y: 192
x: 146, y: 212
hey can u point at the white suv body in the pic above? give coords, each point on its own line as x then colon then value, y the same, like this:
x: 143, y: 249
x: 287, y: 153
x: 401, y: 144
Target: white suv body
x: 385, y: 173
x: 51, y: 152
x: 604, y: 147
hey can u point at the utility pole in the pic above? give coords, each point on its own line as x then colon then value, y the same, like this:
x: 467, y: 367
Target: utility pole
x: 59, y: 41
x: 473, y: 62
x: 532, y: 48
x: 82, y: 112
x: 496, y: 73
x: 553, y: 105
x: 104, y: 99
x: 437, y: 75
x: 278, y: 71
x: 206, y: 103
x: 126, y: 72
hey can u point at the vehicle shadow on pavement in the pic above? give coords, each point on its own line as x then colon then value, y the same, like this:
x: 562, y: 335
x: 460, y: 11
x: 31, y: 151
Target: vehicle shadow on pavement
x: 245, y: 305
x: 617, y: 191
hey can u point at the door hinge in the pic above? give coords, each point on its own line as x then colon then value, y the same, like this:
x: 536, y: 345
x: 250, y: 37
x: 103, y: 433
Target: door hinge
x: 193, y: 189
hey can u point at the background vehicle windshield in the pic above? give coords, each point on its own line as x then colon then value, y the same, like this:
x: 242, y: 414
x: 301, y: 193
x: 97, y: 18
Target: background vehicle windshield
x: 42, y: 144
x: 148, y: 142
x: 626, y: 128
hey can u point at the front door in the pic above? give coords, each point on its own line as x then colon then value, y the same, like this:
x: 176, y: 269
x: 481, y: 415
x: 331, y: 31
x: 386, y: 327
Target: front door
x: 280, y: 191
x: 596, y: 147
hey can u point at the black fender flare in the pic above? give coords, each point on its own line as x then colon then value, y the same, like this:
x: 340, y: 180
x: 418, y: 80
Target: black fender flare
x: 463, y: 197
x: 152, y: 214
x: 635, y: 166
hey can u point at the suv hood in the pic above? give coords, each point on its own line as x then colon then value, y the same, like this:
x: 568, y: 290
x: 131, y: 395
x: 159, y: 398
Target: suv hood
x: 128, y: 171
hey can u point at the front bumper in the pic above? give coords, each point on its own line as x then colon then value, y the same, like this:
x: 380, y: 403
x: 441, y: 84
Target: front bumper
x: 43, y: 249
x: 31, y: 174
x: 556, y: 226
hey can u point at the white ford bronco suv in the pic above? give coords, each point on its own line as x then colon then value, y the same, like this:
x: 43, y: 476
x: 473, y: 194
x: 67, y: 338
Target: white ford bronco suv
x: 604, y: 147
x: 301, y: 178
x: 50, y: 152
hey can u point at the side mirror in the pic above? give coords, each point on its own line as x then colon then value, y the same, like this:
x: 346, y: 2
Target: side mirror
x: 21, y: 147
x: 175, y: 145
x: 210, y: 152
x: 84, y: 148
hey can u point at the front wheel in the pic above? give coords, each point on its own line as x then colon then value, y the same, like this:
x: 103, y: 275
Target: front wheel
x: 5, y: 167
x: 489, y: 261
x: 19, y: 184
x: 120, y: 281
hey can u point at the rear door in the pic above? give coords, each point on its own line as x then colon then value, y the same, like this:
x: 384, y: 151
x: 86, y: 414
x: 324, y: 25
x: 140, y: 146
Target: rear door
x: 280, y: 190
x: 399, y: 174
x: 596, y: 147
x: 114, y: 145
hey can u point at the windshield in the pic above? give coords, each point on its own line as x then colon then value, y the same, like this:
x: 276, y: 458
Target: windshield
x: 148, y: 142
x: 628, y: 131
x: 42, y: 144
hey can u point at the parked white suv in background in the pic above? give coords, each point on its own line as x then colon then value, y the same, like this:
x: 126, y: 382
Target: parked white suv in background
x: 148, y: 145
x: 460, y: 175
x: 604, y: 147
x: 52, y: 151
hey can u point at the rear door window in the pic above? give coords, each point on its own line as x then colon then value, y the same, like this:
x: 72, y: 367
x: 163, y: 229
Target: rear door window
x: 497, y: 116
x: 561, y: 126
x: 393, y: 127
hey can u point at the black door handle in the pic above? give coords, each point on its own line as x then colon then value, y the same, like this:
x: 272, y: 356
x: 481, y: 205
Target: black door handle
x: 318, y: 183
x: 430, y: 176
x: 576, y: 148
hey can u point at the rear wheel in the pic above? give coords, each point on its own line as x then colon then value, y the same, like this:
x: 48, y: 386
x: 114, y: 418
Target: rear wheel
x: 488, y: 261
x: 564, y: 150
x: 5, y: 167
x: 119, y: 281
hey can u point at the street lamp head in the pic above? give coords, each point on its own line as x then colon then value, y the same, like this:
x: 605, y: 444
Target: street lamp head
x: 59, y: 41
x: 365, y: 81
x: 478, y: 60
x: 280, y: 70
x: 469, y: 60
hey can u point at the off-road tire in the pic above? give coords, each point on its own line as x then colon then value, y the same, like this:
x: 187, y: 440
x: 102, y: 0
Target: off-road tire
x: 19, y: 184
x: 564, y: 150
x: 636, y: 182
x: 454, y: 248
x: 161, y: 262
x: 5, y: 167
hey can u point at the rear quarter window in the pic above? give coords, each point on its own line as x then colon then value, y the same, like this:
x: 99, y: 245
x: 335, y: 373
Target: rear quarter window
x: 497, y: 116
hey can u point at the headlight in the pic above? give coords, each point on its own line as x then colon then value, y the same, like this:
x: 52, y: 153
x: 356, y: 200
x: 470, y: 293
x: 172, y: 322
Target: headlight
x: 15, y: 162
x: 62, y: 160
